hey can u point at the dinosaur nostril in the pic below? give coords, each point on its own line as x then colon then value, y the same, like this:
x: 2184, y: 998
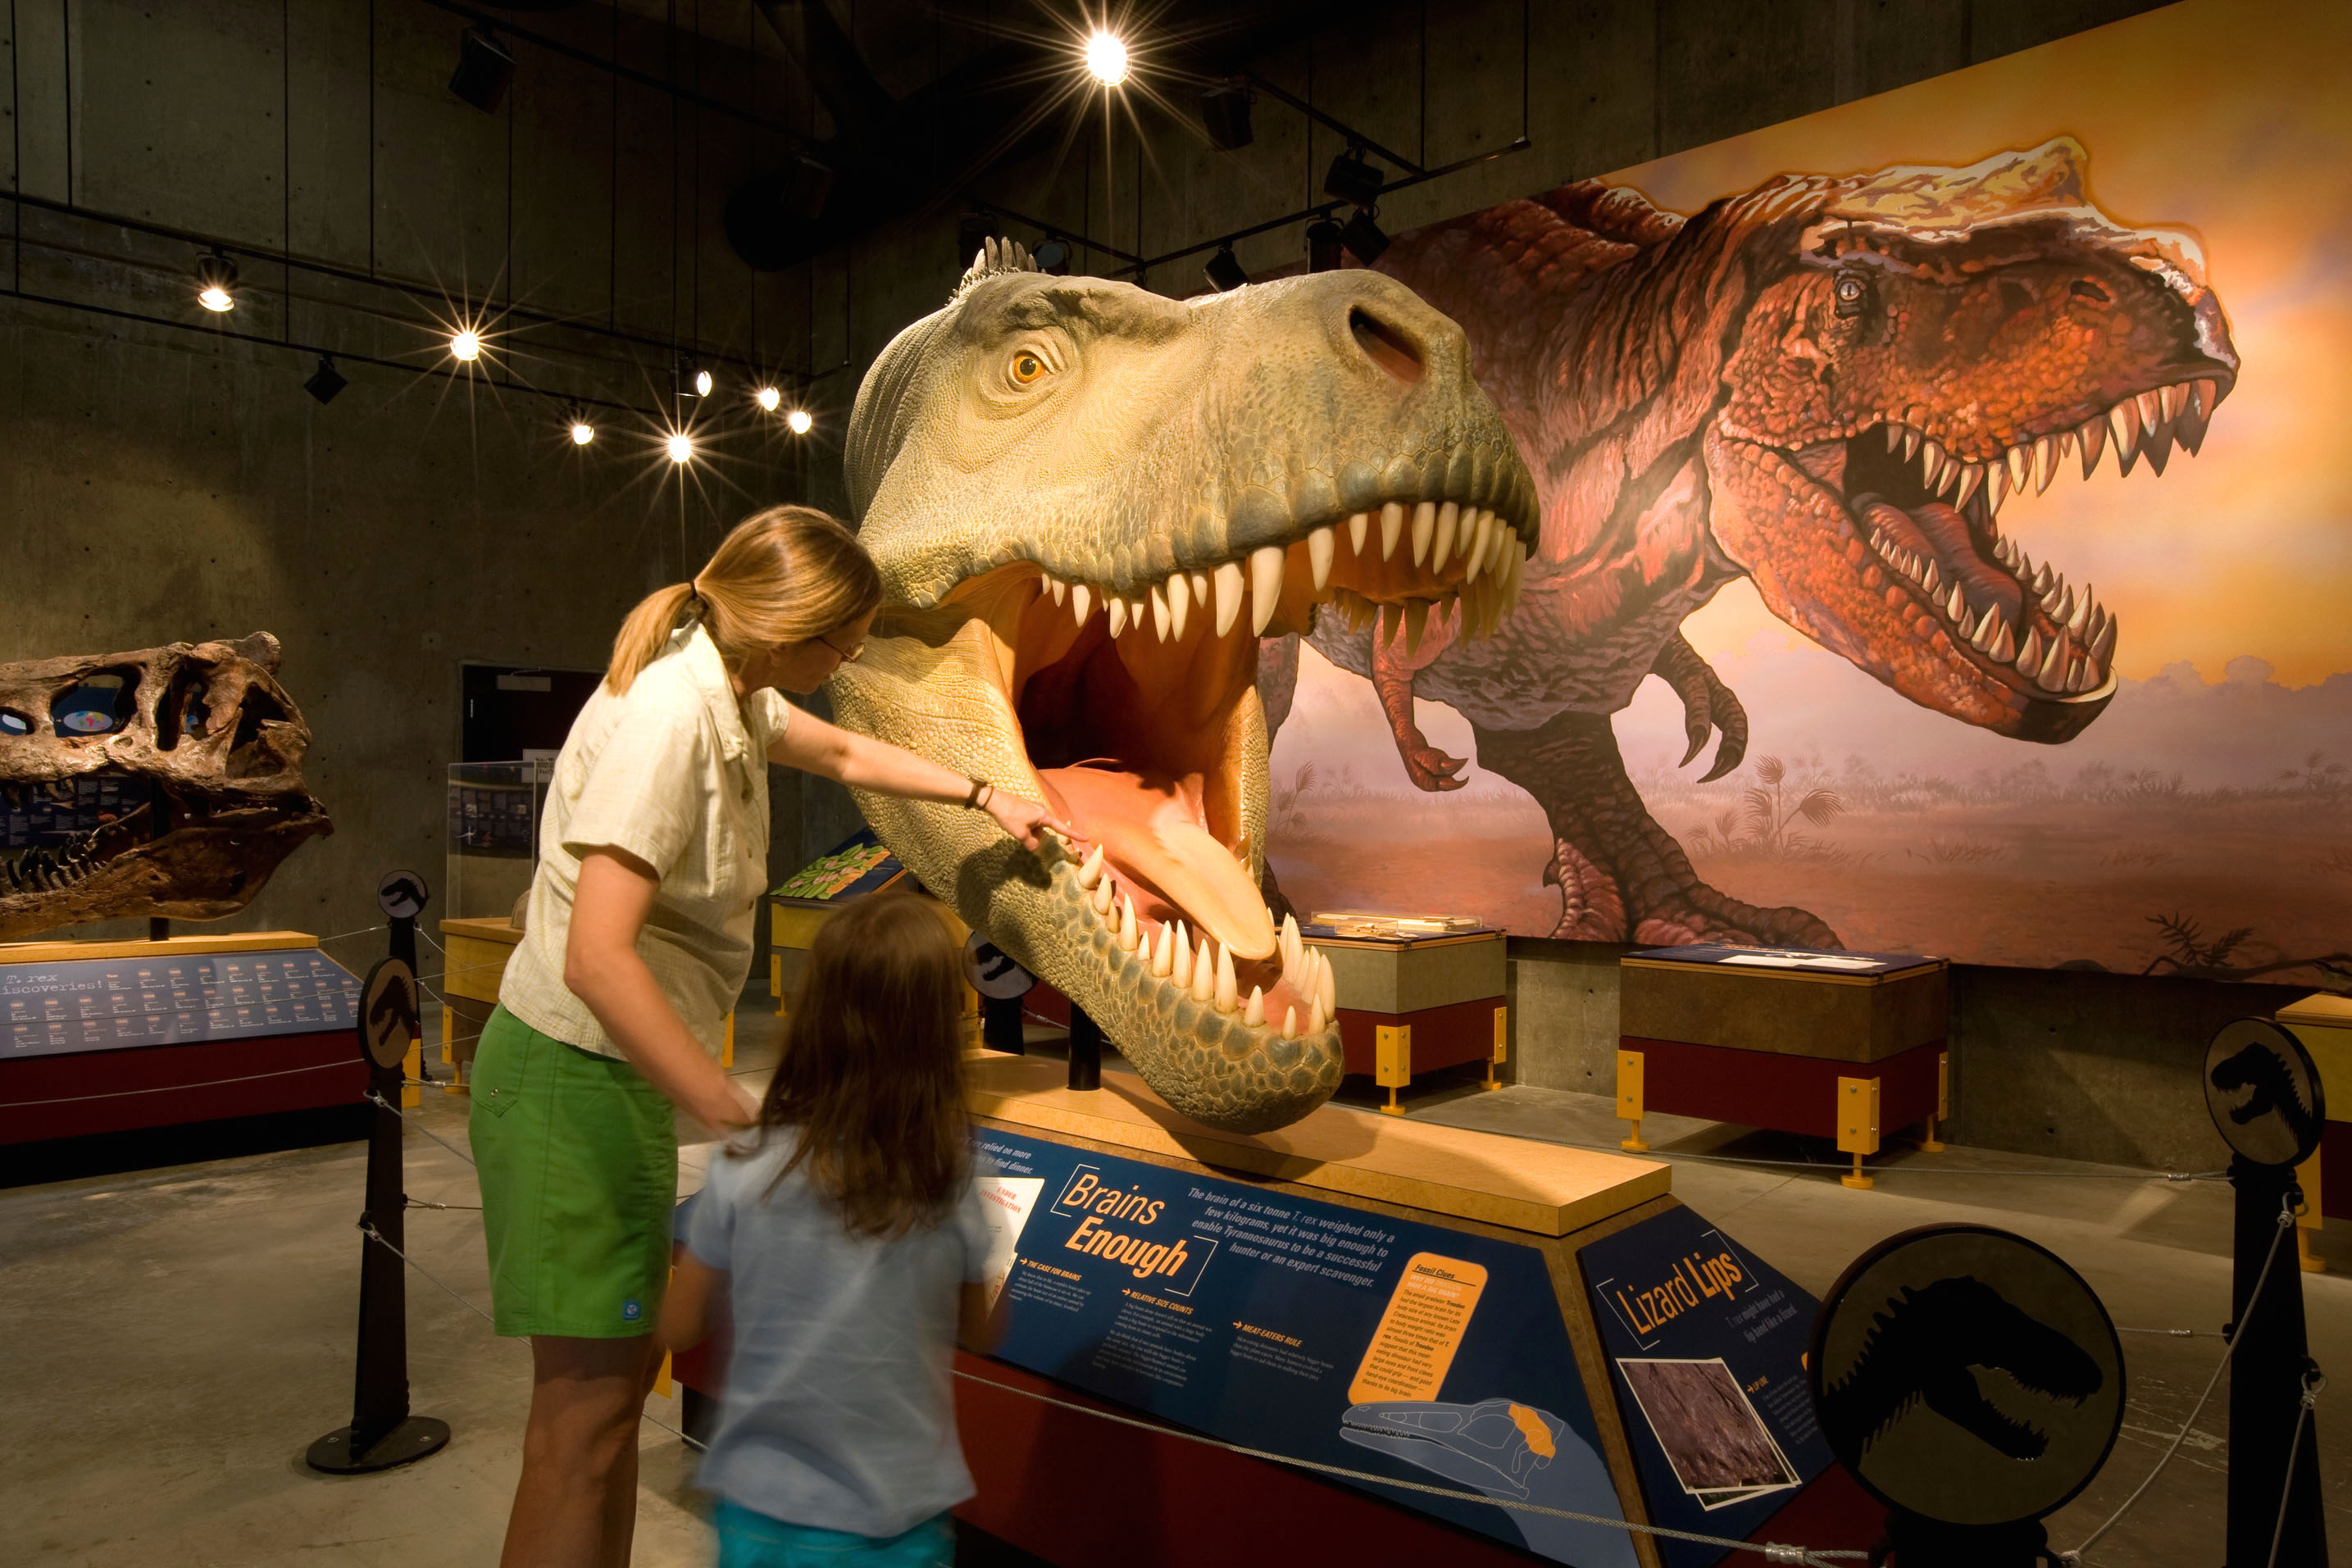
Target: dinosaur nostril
x: 1386, y: 345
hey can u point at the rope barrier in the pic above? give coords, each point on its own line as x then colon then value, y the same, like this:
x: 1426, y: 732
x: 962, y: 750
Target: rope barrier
x: 2314, y: 1382
x: 2285, y: 1224
x: 421, y: 1127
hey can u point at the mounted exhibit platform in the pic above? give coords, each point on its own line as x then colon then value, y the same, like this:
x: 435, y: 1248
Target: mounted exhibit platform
x: 103, y: 1036
x: 1416, y: 1003
x: 1827, y: 1044
x: 1508, y: 1323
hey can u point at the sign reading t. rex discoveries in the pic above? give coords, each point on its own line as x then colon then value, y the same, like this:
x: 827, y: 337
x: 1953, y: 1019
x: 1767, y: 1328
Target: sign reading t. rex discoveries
x: 1960, y: 467
x: 1307, y: 1329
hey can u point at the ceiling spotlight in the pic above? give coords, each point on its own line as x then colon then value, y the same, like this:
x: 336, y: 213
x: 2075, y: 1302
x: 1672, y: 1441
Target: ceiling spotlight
x: 1364, y: 237
x: 800, y: 422
x: 1324, y: 239
x: 1223, y: 272
x: 768, y: 398
x: 1106, y: 58
x: 1352, y: 179
x: 1225, y: 116
x: 326, y: 381
x: 1053, y: 257
x: 577, y: 420
x: 692, y: 378
x: 680, y: 446
x: 484, y: 70
x: 215, y: 282
x: 465, y: 344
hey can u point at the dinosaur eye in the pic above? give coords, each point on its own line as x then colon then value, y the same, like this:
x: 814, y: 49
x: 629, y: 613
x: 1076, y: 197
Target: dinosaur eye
x: 1027, y: 367
x: 1851, y: 292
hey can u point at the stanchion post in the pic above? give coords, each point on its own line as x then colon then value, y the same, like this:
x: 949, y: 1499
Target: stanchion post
x: 383, y: 1433
x: 1086, y: 1050
x: 2266, y: 1378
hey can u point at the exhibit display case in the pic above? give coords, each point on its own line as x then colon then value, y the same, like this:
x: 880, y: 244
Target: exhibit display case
x: 493, y: 846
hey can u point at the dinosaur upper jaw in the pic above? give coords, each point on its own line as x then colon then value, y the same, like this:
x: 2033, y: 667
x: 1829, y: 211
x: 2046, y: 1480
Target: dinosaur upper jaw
x: 1131, y: 709
x: 1881, y: 545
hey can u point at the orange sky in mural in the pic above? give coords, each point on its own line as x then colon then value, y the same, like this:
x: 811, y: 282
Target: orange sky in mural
x: 2228, y: 119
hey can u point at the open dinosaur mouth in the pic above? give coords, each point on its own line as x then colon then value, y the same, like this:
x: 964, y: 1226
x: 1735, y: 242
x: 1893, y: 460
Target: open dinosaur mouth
x: 1923, y: 517
x: 67, y: 832
x: 1134, y: 705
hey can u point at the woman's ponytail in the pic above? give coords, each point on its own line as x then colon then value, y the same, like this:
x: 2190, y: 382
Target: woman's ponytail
x: 645, y: 635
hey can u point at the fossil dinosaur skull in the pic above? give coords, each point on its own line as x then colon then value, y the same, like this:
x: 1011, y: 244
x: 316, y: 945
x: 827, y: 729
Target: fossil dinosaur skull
x: 1088, y: 502
x: 166, y: 782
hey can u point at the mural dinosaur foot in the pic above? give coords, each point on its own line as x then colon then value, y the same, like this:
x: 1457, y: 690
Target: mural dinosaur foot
x: 1621, y: 877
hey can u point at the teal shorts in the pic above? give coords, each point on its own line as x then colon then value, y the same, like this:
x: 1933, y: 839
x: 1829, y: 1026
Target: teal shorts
x: 578, y: 1160
x: 749, y: 1540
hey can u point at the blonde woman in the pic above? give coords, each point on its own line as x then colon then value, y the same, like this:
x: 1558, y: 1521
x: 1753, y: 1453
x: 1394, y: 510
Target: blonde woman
x: 654, y: 851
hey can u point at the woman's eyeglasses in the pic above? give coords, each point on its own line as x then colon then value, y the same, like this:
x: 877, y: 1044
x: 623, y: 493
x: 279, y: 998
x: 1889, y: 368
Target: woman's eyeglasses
x: 849, y: 656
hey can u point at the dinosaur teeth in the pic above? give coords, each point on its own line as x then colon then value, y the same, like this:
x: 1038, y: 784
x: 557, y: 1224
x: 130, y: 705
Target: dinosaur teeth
x: 1911, y: 439
x: 2121, y: 421
x: 1229, y: 584
x: 1182, y: 955
x: 1970, y: 477
x: 2170, y: 401
x: 2021, y: 467
x: 1204, y: 971
x: 1058, y: 589
x: 1160, y: 612
x: 1130, y: 932
x: 1081, y: 599
x: 1090, y: 870
x: 2028, y: 657
x: 1320, y: 547
x: 1473, y: 554
x: 2082, y: 615
x: 1359, y: 528
x: 1955, y: 608
x: 2203, y: 397
x: 1449, y: 515
x: 2045, y: 463
x: 1116, y: 609
x: 1180, y: 604
x: 1416, y: 618
x: 1425, y: 524
x: 2093, y: 433
x: 1894, y: 436
x: 1290, y: 1023
x: 1931, y: 466
x: 2052, y: 672
x: 1266, y: 586
x: 2151, y: 412
x: 1225, y: 991
x: 1164, y: 952
x: 1254, y: 1014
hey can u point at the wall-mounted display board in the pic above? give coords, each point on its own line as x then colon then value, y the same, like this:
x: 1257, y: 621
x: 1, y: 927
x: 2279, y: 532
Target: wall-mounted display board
x: 1943, y: 543
x: 69, y: 1006
x: 1705, y: 1343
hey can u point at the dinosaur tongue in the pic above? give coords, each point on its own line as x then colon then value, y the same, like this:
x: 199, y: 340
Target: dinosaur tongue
x: 1942, y: 532
x: 1151, y: 829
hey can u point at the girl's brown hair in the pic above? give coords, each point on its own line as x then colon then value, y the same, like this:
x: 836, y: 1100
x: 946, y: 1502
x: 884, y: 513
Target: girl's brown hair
x: 784, y: 575
x: 872, y: 1073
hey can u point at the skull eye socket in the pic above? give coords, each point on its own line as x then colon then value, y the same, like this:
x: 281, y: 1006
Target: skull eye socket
x: 183, y: 710
x: 98, y: 705
x: 14, y: 723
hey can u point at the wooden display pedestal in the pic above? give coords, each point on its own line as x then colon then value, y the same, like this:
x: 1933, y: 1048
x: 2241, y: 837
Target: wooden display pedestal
x: 2324, y: 1024
x: 1723, y: 1034
x: 1081, y: 1491
x: 475, y: 952
x: 1418, y: 1004
x: 110, y: 1037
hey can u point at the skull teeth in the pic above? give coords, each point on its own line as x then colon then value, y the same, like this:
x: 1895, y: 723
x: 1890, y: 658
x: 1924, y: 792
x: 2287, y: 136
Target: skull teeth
x: 1201, y: 968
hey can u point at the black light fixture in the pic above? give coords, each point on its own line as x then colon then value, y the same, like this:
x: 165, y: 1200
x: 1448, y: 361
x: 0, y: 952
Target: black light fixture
x: 1324, y: 240
x: 1225, y: 116
x: 1224, y: 271
x: 1364, y: 236
x: 325, y: 381
x: 1053, y: 257
x: 770, y: 218
x: 1352, y: 179
x: 485, y: 70
x: 693, y: 379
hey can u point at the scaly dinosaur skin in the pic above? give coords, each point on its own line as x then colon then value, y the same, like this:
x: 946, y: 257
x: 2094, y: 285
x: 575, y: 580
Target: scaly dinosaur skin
x: 1827, y: 385
x: 1075, y: 492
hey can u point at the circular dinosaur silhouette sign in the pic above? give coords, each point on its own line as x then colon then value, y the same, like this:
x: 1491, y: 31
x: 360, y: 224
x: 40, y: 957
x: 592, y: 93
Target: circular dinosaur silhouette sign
x: 2263, y: 1091
x: 993, y: 971
x: 388, y: 1013
x: 402, y: 895
x: 1967, y: 1375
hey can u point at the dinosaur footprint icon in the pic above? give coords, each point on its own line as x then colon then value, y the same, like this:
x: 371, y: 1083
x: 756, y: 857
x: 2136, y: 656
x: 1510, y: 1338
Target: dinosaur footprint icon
x: 1508, y: 1451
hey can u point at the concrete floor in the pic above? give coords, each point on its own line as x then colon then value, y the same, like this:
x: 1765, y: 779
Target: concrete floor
x: 179, y: 1336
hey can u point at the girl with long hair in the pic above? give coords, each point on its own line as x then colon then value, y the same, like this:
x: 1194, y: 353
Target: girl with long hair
x: 847, y: 1240
x: 654, y: 854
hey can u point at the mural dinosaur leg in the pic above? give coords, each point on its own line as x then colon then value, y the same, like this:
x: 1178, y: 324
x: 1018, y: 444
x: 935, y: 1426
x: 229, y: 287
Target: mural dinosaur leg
x: 1622, y: 878
x: 1708, y: 706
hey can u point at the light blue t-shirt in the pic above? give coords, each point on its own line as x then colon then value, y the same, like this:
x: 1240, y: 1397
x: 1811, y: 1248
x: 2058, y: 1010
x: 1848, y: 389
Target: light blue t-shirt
x: 839, y: 1412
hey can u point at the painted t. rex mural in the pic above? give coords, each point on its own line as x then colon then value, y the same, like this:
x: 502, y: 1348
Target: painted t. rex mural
x: 1088, y: 503
x: 1827, y: 385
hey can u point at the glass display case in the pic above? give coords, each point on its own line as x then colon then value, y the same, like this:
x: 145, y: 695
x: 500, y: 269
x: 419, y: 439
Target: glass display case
x: 494, y: 811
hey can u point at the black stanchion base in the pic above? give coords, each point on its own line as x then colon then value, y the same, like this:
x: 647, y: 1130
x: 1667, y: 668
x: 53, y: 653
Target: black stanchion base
x: 412, y: 1440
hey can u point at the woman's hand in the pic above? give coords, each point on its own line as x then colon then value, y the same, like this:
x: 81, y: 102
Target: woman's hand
x: 1025, y: 820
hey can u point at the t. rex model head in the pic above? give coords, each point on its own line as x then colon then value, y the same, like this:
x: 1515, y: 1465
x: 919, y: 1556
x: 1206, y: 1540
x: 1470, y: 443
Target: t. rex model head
x: 165, y: 783
x: 1087, y: 502
x: 1930, y: 341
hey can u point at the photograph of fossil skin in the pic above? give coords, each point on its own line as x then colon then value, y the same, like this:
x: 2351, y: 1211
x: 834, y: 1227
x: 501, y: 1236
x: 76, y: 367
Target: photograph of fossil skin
x: 161, y: 782
x: 1712, y: 1436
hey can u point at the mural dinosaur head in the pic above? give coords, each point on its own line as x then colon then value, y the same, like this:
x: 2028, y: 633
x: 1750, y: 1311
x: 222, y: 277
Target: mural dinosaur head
x: 166, y: 782
x: 1925, y: 342
x: 1087, y: 502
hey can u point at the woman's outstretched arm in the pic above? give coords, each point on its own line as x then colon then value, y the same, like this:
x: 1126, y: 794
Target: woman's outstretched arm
x: 862, y: 762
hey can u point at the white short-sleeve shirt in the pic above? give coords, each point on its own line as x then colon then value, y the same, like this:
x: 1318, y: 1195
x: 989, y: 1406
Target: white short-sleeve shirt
x: 675, y: 773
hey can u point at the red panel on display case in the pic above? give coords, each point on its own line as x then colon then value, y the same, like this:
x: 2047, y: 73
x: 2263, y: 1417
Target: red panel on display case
x: 68, y: 1096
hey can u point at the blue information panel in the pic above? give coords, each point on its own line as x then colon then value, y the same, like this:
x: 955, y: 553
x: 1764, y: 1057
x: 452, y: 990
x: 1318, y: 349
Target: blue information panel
x: 1306, y: 1328
x: 111, y: 1003
x: 1706, y: 1346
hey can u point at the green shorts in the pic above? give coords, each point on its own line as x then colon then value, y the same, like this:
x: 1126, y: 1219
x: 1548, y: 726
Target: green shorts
x: 578, y: 1159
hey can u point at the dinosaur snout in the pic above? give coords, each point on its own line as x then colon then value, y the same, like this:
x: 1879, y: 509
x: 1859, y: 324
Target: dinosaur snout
x: 1376, y: 321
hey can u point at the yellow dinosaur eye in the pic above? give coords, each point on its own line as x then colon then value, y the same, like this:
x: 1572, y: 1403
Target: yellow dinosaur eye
x: 1027, y: 367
